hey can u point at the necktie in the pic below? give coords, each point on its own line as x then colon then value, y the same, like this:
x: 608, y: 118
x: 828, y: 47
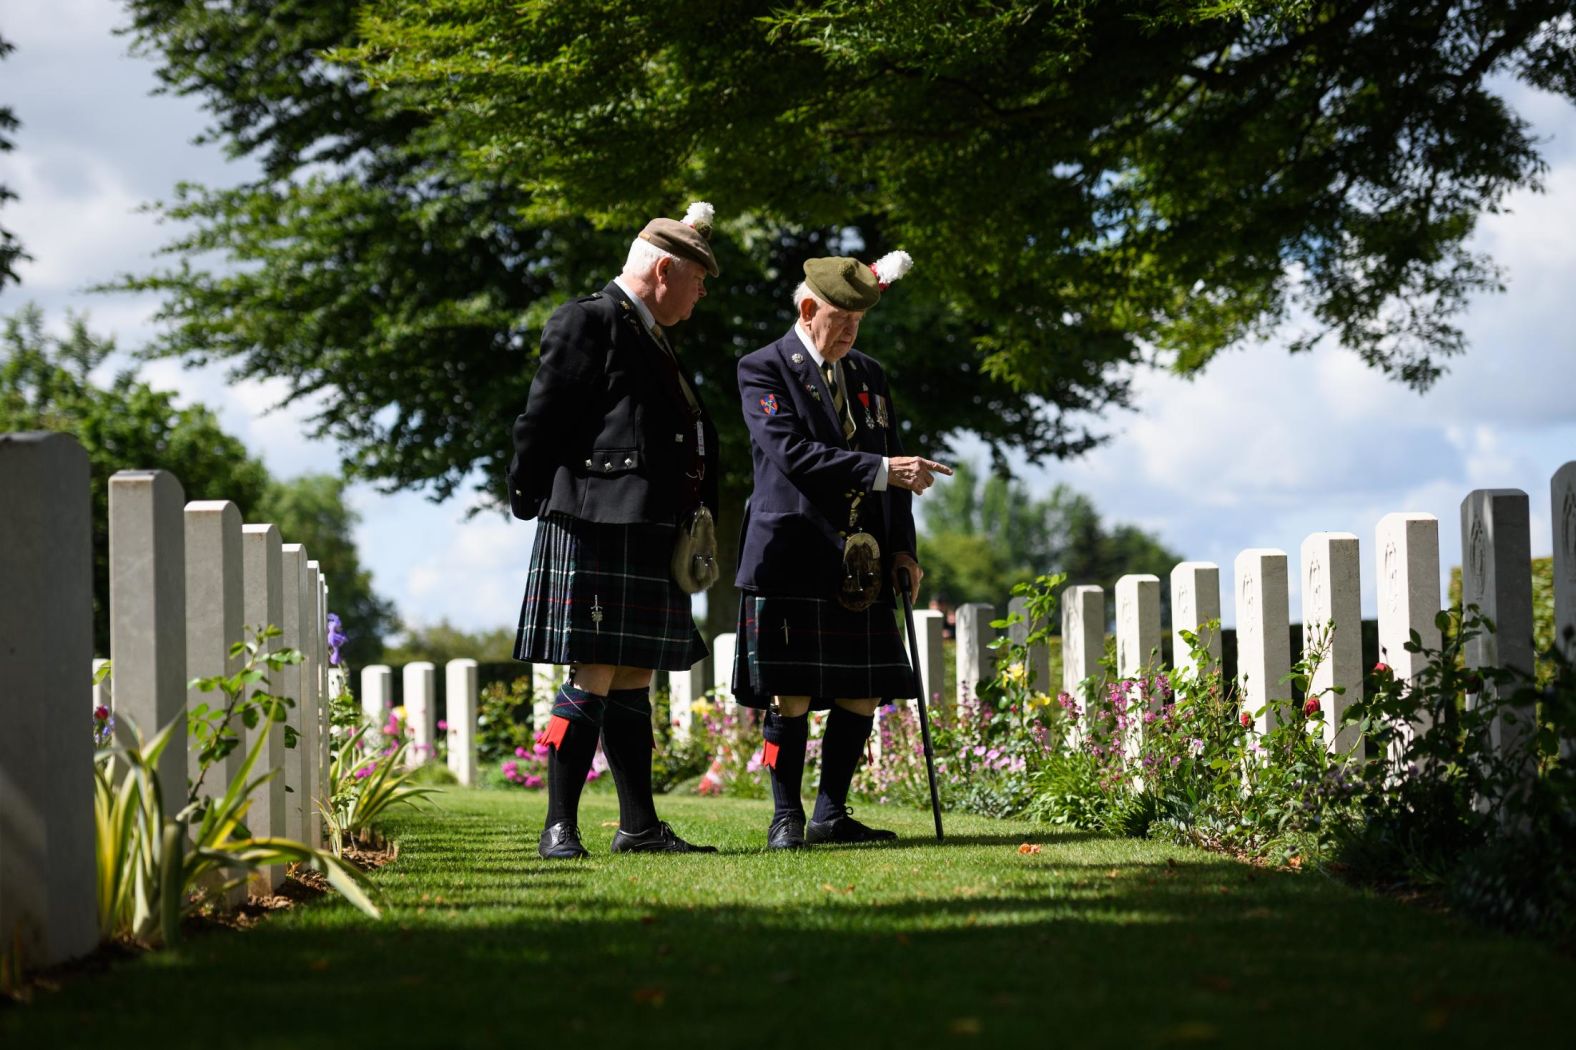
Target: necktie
x: 839, y: 399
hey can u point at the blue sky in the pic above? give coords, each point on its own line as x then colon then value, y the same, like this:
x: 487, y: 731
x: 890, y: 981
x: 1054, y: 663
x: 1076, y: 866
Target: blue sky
x: 1262, y: 450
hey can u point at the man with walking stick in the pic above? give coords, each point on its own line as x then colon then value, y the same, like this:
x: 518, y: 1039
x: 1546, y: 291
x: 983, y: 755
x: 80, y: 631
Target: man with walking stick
x: 828, y: 530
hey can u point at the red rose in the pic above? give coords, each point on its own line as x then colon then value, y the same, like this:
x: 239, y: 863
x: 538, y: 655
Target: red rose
x: 1311, y: 708
x: 100, y: 713
x: 1247, y: 720
x: 1381, y: 668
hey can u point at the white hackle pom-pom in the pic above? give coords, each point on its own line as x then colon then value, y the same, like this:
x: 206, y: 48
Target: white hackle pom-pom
x: 892, y: 266
x: 699, y: 214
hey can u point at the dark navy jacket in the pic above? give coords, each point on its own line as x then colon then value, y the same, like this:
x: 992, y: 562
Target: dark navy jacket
x: 606, y: 435
x: 805, y: 472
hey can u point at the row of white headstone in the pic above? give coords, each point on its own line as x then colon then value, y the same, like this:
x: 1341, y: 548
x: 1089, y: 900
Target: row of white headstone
x: 1496, y: 554
x: 187, y: 581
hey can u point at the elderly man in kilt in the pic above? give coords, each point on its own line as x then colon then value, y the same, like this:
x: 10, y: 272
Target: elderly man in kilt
x: 830, y: 517
x: 615, y: 456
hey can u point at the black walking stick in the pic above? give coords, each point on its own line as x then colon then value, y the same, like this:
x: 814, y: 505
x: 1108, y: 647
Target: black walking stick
x: 924, y: 717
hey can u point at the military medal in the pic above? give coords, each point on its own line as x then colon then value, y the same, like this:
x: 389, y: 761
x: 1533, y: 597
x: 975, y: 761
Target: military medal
x: 881, y: 411
x: 864, y: 399
x: 798, y: 359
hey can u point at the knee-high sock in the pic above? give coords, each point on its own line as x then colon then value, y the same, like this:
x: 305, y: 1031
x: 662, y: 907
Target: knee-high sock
x: 572, y: 734
x: 841, y: 749
x: 784, y: 756
x: 627, y: 742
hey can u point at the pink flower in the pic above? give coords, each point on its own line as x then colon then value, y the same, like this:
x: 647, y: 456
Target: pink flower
x: 533, y: 781
x: 1381, y: 668
x: 519, y: 752
x: 1311, y: 708
x: 365, y: 771
x: 1246, y: 720
x: 442, y: 725
x: 540, y: 750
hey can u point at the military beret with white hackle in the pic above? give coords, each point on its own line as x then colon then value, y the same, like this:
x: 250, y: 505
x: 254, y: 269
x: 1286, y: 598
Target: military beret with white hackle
x: 849, y: 284
x: 688, y: 238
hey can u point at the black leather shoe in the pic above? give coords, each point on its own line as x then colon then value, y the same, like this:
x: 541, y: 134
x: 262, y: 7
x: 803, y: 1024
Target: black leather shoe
x: 660, y: 839
x: 560, y: 841
x: 845, y: 829
x: 786, y: 832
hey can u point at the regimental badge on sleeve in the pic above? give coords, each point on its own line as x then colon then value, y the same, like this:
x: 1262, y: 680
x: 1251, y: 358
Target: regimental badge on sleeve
x: 769, y: 404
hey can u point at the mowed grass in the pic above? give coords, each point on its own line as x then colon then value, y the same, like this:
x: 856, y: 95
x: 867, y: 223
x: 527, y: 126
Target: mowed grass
x: 1092, y: 941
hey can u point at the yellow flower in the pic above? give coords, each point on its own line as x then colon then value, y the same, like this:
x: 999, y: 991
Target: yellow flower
x: 701, y: 708
x: 1014, y: 674
x: 1039, y: 700
x: 399, y: 712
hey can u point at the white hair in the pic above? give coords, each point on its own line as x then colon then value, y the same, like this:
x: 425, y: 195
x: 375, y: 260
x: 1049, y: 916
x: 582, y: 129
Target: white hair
x: 643, y: 258
x: 803, y: 292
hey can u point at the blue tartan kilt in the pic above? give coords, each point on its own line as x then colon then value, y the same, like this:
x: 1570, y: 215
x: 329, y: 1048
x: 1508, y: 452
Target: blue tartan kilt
x: 827, y: 652
x: 603, y: 594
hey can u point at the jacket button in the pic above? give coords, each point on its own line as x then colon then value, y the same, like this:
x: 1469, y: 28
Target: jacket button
x: 608, y: 465
x: 588, y: 463
x: 629, y: 462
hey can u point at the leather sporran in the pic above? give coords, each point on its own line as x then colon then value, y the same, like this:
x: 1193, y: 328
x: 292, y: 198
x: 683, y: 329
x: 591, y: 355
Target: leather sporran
x: 695, y: 553
x: 861, y: 572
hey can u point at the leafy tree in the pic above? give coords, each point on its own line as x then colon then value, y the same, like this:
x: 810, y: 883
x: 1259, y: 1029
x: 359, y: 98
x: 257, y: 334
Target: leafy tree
x: 1088, y: 188
x: 46, y: 383
x: 442, y: 642
x: 311, y: 510
x: 980, y: 537
x: 10, y: 249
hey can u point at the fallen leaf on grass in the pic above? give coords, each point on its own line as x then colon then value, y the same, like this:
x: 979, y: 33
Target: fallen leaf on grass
x: 1113, y: 873
x: 1029, y: 847
x: 1294, y: 862
x: 610, y: 823
x: 829, y: 888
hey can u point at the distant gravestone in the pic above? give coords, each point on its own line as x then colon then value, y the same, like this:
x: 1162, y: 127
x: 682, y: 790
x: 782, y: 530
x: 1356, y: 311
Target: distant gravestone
x: 1038, y: 663
x: 1195, y: 601
x: 1332, y: 594
x: 1563, y: 507
x: 459, y: 693
x: 1083, y: 646
x: 684, y: 688
x: 1496, y: 576
x: 930, y: 627
x: 420, y: 683
x: 291, y: 682
x: 215, y: 616
x: 377, y: 693
x: 1407, y: 565
x: 48, y: 910
x: 723, y: 650
x: 976, y: 661
x: 1263, y: 632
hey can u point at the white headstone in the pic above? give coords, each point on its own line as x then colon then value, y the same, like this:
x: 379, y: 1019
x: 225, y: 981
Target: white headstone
x: 1038, y: 664
x: 147, y: 615
x: 1496, y: 576
x: 263, y: 575
x: 48, y: 904
x: 289, y: 681
x: 459, y: 693
x: 1562, y: 490
x: 1406, y: 555
x: 684, y: 688
x: 1263, y: 632
x: 335, y: 682
x: 1083, y: 637
x: 1332, y: 592
x: 976, y: 660
x: 215, y: 617
x: 312, y: 714
x: 930, y: 635
x: 1195, y: 601
x: 103, y: 688
x: 723, y: 650
x: 377, y: 693
x: 545, y: 680
x: 420, y: 682
x: 1137, y: 625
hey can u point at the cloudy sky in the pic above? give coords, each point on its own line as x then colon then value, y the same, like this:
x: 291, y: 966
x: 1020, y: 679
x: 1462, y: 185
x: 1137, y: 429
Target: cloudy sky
x: 1261, y: 451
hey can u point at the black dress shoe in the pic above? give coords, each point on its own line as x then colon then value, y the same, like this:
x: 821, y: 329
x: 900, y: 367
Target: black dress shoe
x: 845, y: 829
x: 560, y: 841
x: 786, y: 832
x: 660, y: 839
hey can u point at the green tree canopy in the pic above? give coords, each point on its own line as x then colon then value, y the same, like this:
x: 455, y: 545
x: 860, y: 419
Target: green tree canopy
x: 441, y: 642
x: 1088, y: 188
x: 311, y: 510
x: 10, y: 248
x: 982, y: 536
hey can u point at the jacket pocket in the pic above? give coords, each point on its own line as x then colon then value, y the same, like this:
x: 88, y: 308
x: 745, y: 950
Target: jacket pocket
x: 612, y: 462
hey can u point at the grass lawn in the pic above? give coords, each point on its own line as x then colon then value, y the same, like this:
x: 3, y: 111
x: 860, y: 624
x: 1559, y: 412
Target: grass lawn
x: 1090, y: 942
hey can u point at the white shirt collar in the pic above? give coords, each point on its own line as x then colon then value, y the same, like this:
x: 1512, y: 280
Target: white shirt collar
x: 804, y: 337
x: 640, y: 304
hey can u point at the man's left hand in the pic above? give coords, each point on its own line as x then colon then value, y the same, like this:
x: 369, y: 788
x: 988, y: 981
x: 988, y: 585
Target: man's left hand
x: 901, y: 562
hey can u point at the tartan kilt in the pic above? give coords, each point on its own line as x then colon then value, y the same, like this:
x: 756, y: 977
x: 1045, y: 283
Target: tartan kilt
x: 828, y: 653
x: 603, y: 594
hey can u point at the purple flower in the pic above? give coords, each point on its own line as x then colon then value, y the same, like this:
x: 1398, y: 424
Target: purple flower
x: 336, y: 638
x: 443, y: 726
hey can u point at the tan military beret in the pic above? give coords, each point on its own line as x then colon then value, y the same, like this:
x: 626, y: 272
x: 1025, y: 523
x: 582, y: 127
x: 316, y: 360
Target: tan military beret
x: 688, y: 238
